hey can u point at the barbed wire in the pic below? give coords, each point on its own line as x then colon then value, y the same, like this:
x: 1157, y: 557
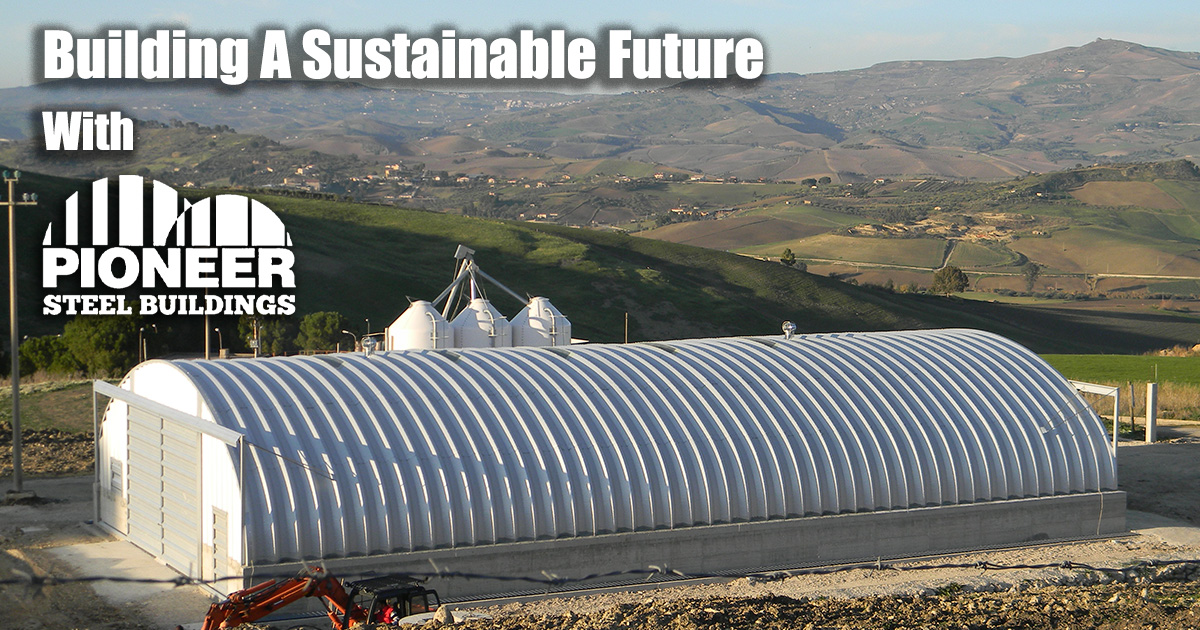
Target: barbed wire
x: 34, y: 583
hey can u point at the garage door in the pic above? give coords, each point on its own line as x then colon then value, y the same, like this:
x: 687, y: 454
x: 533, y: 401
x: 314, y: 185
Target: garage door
x: 164, y: 489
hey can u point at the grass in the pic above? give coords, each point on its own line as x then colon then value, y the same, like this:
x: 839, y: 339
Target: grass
x: 1178, y: 379
x: 913, y: 252
x: 1101, y: 250
x: 63, y: 405
x: 1102, y: 368
x: 1141, y: 194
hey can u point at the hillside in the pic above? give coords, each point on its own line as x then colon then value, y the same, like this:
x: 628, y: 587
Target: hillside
x: 1120, y: 227
x: 375, y: 256
x: 970, y: 119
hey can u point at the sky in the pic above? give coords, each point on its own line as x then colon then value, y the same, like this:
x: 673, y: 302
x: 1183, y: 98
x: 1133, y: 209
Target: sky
x: 801, y: 37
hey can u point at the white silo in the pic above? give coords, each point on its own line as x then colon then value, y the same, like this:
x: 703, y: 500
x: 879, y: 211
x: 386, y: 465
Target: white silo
x: 420, y: 327
x: 480, y: 326
x: 540, y: 324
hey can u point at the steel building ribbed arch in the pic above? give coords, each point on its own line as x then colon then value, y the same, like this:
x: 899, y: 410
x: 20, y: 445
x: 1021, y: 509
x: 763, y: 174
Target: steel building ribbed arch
x: 1001, y: 387
x: 660, y: 394
x: 618, y: 489
x: 641, y: 451
x: 220, y: 398
x: 933, y: 380
x: 1068, y: 401
x: 494, y: 401
x: 924, y: 385
x: 1051, y: 403
x: 761, y: 496
x: 862, y: 489
x: 375, y: 375
x: 898, y: 393
x: 1006, y: 403
x: 825, y: 477
x: 781, y: 479
x: 503, y: 376
x: 995, y: 472
x: 736, y: 504
x: 594, y: 458
x: 419, y: 519
x: 439, y: 373
x: 883, y: 391
x: 1062, y: 399
x: 883, y: 468
x: 697, y: 491
x: 404, y: 477
x: 1011, y: 401
x: 521, y: 406
x: 507, y: 441
x: 445, y: 443
x: 908, y: 386
x: 679, y: 395
x: 599, y: 369
x: 584, y: 466
x: 807, y: 502
x: 835, y: 467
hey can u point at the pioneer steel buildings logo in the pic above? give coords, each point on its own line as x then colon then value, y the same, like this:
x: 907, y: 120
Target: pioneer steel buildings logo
x: 157, y: 253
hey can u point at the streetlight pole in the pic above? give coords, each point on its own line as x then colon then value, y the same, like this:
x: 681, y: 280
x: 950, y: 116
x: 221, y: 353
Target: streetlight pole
x: 220, y: 341
x: 142, y: 354
x: 14, y: 347
x: 352, y: 335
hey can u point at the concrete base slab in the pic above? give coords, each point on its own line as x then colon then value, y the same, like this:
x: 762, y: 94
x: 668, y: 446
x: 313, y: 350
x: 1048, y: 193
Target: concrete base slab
x: 1168, y: 530
x: 755, y: 547
x: 165, y: 604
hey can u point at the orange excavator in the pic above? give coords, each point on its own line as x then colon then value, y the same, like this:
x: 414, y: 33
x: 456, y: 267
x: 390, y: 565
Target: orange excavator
x: 377, y: 600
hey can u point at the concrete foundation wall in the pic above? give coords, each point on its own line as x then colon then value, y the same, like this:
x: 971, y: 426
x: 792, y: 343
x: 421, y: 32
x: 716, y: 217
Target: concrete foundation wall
x: 754, y: 546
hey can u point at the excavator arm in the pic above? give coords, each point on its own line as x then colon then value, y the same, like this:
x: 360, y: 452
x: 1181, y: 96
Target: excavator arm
x: 260, y: 600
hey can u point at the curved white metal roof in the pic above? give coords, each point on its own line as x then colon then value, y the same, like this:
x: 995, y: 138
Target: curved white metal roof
x: 437, y: 448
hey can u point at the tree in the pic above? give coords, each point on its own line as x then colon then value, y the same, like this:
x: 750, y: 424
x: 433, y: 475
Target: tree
x: 276, y: 333
x: 1031, y: 271
x: 48, y: 354
x: 825, y: 179
x: 788, y: 258
x: 949, y: 280
x: 321, y: 331
x: 808, y: 181
x: 105, y: 345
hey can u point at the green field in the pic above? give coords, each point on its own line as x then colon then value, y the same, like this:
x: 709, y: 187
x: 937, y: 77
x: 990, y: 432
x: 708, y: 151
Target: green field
x: 1110, y: 368
x: 912, y: 252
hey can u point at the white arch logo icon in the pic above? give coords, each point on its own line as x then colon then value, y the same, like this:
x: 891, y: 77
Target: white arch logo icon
x: 224, y: 244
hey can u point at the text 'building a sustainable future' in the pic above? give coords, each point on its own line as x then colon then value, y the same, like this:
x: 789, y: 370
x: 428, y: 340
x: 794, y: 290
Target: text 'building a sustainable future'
x: 699, y: 455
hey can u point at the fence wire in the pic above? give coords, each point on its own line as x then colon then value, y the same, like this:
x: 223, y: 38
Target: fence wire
x: 549, y: 582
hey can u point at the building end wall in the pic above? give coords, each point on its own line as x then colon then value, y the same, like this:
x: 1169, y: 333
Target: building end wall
x: 748, y: 547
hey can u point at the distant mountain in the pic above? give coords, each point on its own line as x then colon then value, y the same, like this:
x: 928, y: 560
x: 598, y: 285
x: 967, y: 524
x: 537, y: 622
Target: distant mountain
x: 983, y: 118
x: 974, y: 119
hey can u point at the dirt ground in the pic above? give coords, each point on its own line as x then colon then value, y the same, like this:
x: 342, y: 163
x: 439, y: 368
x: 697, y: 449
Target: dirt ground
x: 1162, y: 479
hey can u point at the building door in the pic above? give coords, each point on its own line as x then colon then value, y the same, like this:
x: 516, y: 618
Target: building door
x: 164, y: 489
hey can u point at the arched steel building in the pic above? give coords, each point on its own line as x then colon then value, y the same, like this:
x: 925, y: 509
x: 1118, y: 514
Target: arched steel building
x: 218, y: 466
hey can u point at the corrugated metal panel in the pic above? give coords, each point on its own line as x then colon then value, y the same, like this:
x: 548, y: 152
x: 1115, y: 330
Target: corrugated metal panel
x: 423, y: 449
x: 164, y: 499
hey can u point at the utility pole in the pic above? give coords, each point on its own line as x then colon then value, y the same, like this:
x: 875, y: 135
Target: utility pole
x: 14, y: 341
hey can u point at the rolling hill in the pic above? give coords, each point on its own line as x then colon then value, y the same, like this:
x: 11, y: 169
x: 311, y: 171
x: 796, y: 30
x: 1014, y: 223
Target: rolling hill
x: 363, y: 260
